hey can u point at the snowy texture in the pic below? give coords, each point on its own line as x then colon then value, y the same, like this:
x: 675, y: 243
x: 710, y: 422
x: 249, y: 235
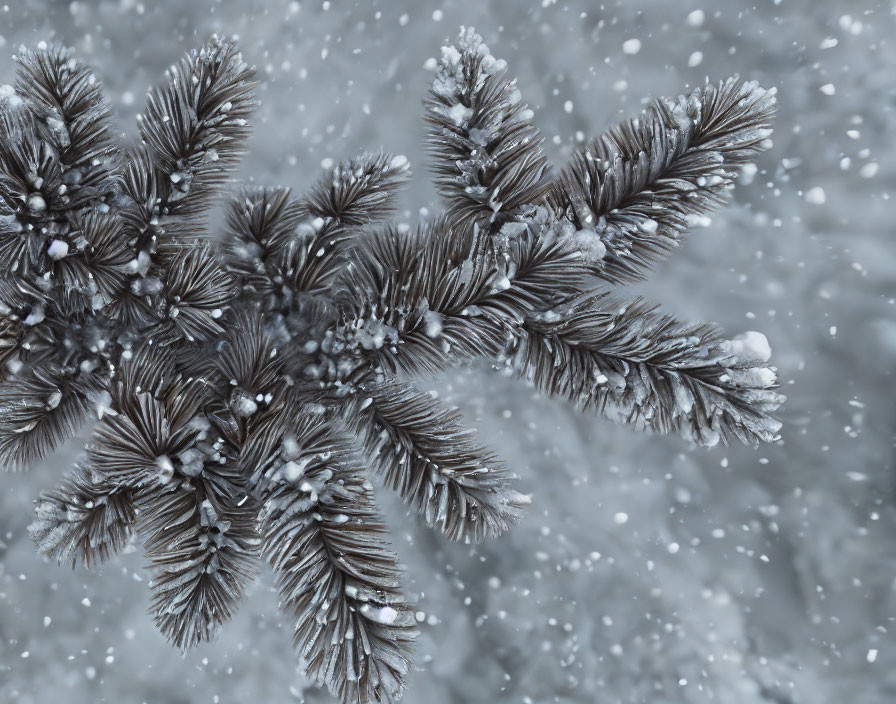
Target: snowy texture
x: 781, y: 587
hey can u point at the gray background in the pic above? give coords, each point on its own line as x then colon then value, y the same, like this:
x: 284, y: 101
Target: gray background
x: 784, y: 577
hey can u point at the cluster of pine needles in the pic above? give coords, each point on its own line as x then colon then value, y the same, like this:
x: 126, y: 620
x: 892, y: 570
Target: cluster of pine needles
x: 243, y: 390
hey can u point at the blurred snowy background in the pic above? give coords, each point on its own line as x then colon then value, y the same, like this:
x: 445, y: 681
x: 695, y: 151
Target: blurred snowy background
x: 645, y: 571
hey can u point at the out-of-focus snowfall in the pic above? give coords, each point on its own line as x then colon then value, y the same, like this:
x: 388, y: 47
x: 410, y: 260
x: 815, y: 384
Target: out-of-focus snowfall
x: 646, y: 570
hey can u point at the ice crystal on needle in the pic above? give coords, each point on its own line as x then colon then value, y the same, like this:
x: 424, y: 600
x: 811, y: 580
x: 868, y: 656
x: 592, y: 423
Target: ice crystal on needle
x: 241, y: 392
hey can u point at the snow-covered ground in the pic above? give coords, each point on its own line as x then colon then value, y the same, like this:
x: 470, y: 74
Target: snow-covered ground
x: 645, y: 571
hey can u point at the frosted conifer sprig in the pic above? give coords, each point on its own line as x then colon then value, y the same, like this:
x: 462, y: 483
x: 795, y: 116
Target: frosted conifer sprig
x: 487, y: 155
x: 623, y: 203
x: 242, y: 394
x: 100, y: 243
x: 645, y: 182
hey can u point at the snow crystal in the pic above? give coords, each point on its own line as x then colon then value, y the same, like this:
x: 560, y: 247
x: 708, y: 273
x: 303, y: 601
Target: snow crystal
x: 386, y: 615
x: 54, y: 399
x: 816, y: 196
x: 589, y: 244
x: 869, y: 170
x: 459, y: 113
x: 375, y: 334
x: 433, y: 323
x: 36, y: 203
x: 9, y: 98
x: 35, y: 316
x: 165, y: 467
x: 631, y: 46
x: 696, y: 18
x: 828, y: 89
x: 650, y: 225
x: 59, y: 130
x: 450, y: 55
x: 102, y: 402
x: 517, y: 498
x: 399, y: 163
x: 748, y: 173
x: 139, y: 265
x: 246, y: 406
x: 310, y: 490
x: 697, y: 220
x: 58, y: 249
x: 620, y: 518
x: 750, y: 345
x: 695, y: 59
x: 685, y: 111
x: 293, y: 471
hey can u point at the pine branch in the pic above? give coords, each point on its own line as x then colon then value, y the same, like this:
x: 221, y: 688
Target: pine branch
x: 286, y: 251
x: 641, y: 185
x: 423, y: 452
x: 251, y: 391
x: 358, y: 191
x: 202, y: 549
x: 200, y: 540
x: 221, y: 415
x: 248, y: 360
x: 145, y: 367
x: 355, y: 193
x: 32, y: 193
x: 419, y: 302
x: 261, y: 236
x: 195, y: 292
x: 29, y: 335
x: 486, y: 154
x: 150, y: 208
x: 336, y: 576
x: 81, y: 519
x: 93, y: 269
x: 70, y: 103
x: 195, y: 126
x: 634, y: 365
x: 11, y: 331
x: 38, y: 411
